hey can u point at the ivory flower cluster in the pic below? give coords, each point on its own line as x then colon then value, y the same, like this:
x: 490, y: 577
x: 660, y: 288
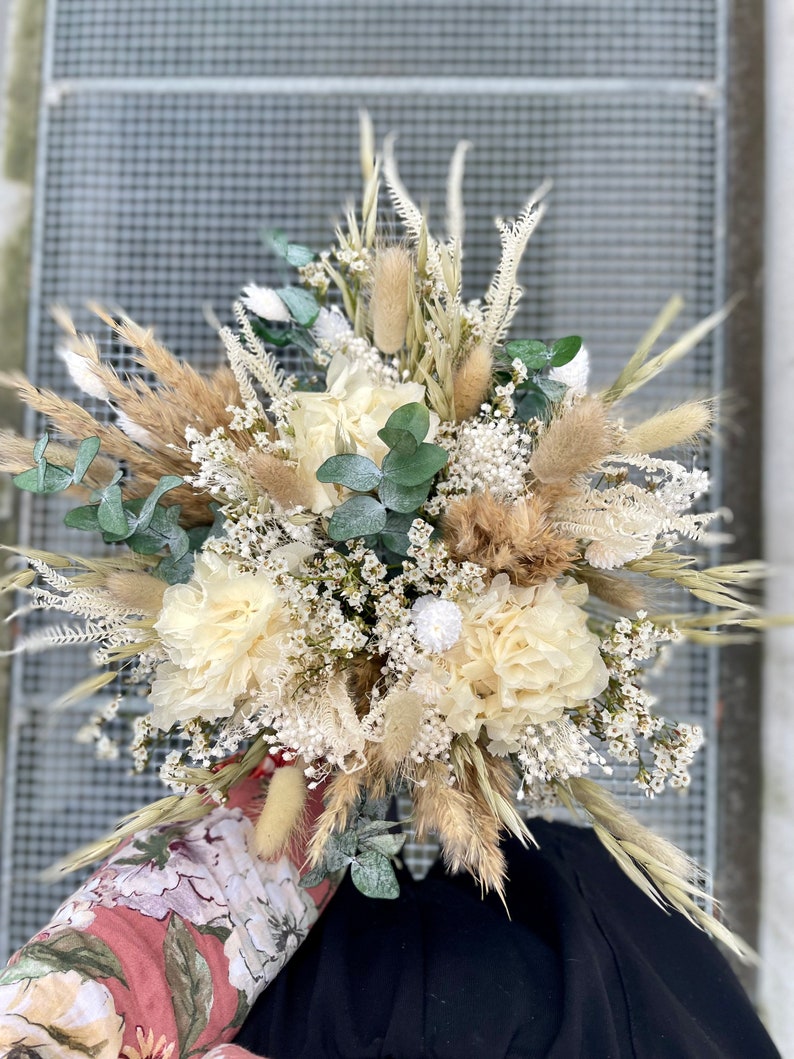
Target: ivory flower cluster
x: 422, y: 561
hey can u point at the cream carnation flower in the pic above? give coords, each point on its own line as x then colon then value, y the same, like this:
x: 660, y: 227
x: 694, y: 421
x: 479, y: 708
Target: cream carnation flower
x: 525, y: 655
x: 352, y: 409
x: 223, y: 633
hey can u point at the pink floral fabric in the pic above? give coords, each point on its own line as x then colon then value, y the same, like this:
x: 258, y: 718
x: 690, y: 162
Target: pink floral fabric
x: 162, y: 952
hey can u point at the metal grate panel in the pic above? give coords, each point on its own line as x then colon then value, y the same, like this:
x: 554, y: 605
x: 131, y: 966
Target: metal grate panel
x: 511, y: 38
x: 151, y: 194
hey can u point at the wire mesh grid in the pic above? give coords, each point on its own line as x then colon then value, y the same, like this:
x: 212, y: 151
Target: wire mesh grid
x: 152, y: 197
x: 576, y: 38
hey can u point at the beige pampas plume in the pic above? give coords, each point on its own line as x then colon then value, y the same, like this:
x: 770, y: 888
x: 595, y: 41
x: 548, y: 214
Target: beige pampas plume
x: 576, y: 440
x: 466, y: 827
x: 402, y: 711
x: 282, y: 812
x: 617, y: 591
x: 517, y: 539
x: 472, y: 382
x: 140, y: 593
x: 677, y: 426
x: 389, y: 302
x: 277, y: 478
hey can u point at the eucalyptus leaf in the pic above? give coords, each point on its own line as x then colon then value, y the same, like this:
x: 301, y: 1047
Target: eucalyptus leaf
x: 374, y: 876
x: 395, y: 533
x: 40, y: 447
x: 551, y: 389
x: 353, y: 471
x: 301, y: 303
x: 357, y: 517
x: 83, y: 518
x: 367, y: 828
x: 533, y: 354
x: 402, y: 442
x: 403, y: 498
x: 425, y: 463
x: 413, y: 417
x: 165, y: 484
x: 111, y: 515
x: 314, y: 877
x: 86, y: 452
x: 46, y: 478
x: 388, y: 845
x: 564, y: 350
x: 340, y: 850
x: 293, y: 253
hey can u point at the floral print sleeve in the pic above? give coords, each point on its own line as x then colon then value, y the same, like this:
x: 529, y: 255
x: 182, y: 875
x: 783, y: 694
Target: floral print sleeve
x: 162, y: 952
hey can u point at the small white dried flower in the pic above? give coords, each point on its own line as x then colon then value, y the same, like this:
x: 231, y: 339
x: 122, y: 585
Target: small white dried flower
x: 437, y: 623
x: 575, y: 374
x: 265, y: 303
x: 81, y: 374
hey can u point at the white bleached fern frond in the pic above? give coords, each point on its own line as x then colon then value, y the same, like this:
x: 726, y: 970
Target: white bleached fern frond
x: 455, y: 213
x: 409, y: 213
x: 503, y: 295
x: 259, y: 362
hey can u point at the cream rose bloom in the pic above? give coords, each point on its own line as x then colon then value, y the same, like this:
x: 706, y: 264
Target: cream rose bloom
x: 223, y: 633
x: 60, y: 1014
x: 524, y: 656
x: 353, y: 407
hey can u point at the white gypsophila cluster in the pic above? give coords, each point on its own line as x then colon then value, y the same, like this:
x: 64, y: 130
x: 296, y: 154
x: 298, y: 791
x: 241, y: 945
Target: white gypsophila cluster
x: 429, y: 570
x: 555, y: 750
x: 314, y: 274
x: 484, y: 453
x: 623, y: 521
x: 625, y: 721
x: 219, y: 468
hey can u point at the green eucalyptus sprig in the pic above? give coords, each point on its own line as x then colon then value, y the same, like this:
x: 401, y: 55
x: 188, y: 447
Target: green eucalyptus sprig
x: 401, y: 483
x: 301, y: 304
x: 368, y: 846
x: 537, y: 392
x: 143, y: 524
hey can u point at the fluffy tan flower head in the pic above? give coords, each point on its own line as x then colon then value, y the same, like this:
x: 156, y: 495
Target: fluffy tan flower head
x: 525, y: 655
x: 517, y: 539
x: 353, y: 408
x: 223, y: 633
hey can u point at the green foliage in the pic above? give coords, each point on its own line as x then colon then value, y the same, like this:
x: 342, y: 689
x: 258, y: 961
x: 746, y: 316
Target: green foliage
x: 51, y: 477
x: 368, y: 845
x: 144, y: 524
x: 293, y: 253
x: 537, y: 393
x: 302, y: 304
x: 402, y: 482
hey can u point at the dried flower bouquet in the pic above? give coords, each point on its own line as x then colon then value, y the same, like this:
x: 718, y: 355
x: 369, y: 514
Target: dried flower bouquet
x: 428, y: 561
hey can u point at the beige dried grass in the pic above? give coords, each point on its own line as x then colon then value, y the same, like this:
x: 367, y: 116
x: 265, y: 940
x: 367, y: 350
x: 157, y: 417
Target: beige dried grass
x: 282, y: 813
x: 472, y: 382
x: 277, y: 478
x: 676, y: 426
x: 518, y: 539
x: 402, y: 714
x: 390, y: 298
x: 140, y: 593
x: 576, y: 440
